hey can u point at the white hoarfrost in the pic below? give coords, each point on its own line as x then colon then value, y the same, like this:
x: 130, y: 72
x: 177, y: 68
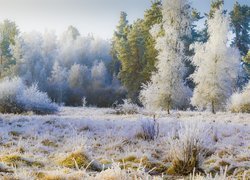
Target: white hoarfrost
x: 167, y: 89
x: 113, y: 142
x: 217, y: 66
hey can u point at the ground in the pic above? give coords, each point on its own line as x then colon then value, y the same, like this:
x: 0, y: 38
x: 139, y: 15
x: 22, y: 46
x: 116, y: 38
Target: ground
x: 85, y: 143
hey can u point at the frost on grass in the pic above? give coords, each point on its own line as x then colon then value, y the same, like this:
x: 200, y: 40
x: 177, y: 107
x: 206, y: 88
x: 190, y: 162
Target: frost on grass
x: 60, y: 146
x: 149, y: 129
x: 186, y: 150
x: 16, y: 97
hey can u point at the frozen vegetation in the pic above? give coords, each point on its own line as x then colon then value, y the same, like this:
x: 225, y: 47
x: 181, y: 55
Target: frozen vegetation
x: 170, y: 77
x: 94, y: 143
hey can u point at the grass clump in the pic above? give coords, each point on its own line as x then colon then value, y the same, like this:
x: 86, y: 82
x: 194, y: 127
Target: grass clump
x: 61, y: 175
x: 186, y: 151
x: 49, y: 143
x: 5, y: 169
x: 17, y: 161
x: 78, y: 160
x: 155, y: 168
x: 149, y: 129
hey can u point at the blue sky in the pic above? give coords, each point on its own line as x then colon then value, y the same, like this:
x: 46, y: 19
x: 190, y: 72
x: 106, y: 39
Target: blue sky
x: 89, y: 16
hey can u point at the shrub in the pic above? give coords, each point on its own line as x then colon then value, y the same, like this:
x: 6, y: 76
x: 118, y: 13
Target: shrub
x: 240, y: 102
x: 127, y: 107
x: 16, y: 97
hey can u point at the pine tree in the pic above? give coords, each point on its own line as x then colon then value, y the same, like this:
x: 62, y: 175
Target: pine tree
x: 246, y: 67
x: 167, y: 89
x: 135, y: 50
x: 119, y: 37
x: 240, y: 23
x: 217, y: 66
x: 8, y: 33
x: 152, y: 16
x: 132, y: 58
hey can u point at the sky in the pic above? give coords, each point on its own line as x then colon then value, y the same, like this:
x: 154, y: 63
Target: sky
x: 98, y: 17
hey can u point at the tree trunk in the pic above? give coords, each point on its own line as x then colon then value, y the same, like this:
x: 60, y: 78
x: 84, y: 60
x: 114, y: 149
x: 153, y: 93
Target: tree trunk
x: 168, y: 107
x: 213, y: 108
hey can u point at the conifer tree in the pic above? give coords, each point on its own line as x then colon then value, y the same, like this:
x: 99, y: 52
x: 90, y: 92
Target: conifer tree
x: 217, y: 66
x: 240, y: 23
x: 134, y: 49
x: 8, y: 33
x: 119, y: 37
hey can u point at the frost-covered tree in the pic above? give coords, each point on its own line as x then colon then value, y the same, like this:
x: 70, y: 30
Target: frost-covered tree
x: 78, y: 76
x: 59, y: 80
x: 65, y: 67
x: 217, y: 66
x: 99, y: 74
x: 167, y: 89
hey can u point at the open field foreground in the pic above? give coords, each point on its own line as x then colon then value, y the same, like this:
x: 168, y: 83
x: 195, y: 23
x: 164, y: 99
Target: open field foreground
x: 92, y: 143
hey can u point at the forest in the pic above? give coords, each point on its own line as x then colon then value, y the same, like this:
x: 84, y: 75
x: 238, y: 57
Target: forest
x: 132, y: 65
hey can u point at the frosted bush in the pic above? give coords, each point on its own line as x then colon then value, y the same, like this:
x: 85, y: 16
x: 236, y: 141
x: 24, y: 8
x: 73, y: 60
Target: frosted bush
x: 16, y: 97
x: 34, y: 100
x: 9, y: 90
x: 127, y: 107
x: 240, y: 102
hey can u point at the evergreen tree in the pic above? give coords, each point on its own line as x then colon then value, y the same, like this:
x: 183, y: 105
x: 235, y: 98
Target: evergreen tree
x: 8, y: 33
x: 240, y: 23
x: 215, y: 5
x: 217, y: 66
x: 131, y: 55
x: 166, y: 89
x: 136, y: 51
x: 120, y: 36
x: 152, y: 16
x: 246, y: 59
x: 246, y: 67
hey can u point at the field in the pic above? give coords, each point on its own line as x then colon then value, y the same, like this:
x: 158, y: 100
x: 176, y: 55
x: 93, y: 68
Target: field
x: 94, y: 143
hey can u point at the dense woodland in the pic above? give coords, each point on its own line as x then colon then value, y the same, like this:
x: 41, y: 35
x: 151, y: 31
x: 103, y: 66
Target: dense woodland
x: 162, y: 61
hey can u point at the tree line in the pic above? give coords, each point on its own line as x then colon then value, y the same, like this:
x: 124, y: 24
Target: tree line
x: 136, y: 53
x: 160, y: 51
